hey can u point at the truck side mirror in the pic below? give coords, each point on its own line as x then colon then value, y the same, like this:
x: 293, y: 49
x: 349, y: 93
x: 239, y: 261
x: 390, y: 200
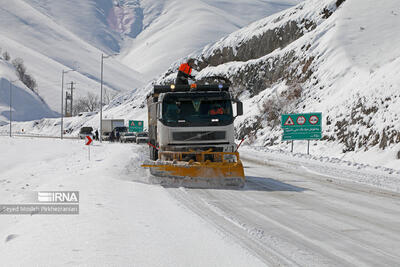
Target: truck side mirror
x: 158, y: 111
x: 239, y: 108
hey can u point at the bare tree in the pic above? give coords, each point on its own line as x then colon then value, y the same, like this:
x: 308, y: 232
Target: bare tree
x: 30, y: 82
x: 20, y: 68
x: 6, y: 56
x: 108, y: 96
x: 27, y: 79
x: 89, y: 103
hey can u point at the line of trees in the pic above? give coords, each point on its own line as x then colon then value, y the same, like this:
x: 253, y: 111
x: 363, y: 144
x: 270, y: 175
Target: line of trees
x: 88, y: 103
x: 24, y: 77
x: 91, y: 102
x: 20, y: 69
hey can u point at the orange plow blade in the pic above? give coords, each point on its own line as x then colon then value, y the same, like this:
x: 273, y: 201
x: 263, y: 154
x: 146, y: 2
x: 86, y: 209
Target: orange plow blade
x: 199, y: 173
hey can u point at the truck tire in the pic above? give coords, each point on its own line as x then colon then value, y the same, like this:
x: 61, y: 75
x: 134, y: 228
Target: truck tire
x: 153, y: 153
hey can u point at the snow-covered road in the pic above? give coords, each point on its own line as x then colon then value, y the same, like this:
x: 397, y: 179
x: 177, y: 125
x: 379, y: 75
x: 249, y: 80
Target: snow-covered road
x: 292, y: 217
x: 286, y: 215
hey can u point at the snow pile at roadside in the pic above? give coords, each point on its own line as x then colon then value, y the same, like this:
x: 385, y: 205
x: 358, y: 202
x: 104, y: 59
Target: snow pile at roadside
x: 328, y: 166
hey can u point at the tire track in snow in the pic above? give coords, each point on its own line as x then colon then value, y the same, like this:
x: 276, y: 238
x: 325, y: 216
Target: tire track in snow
x: 319, y: 225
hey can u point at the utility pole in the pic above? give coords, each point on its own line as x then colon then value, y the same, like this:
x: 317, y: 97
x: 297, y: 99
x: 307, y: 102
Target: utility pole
x: 72, y: 94
x: 101, y: 91
x: 62, y: 101
x: 101, y: 99
x: 66, y: 104
x: 11, y: 84
x: 68, y: 97
x: 10, y: 107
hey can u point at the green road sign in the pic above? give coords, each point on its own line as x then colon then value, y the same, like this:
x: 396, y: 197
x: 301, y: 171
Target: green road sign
x: 306, y: 126
x: 136, y: 126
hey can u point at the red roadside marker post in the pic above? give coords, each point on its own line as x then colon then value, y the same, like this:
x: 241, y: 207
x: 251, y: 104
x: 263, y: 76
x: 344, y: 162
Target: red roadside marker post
x: 88, y: 142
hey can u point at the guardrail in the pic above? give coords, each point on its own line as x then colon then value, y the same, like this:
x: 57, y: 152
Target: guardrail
x: 26, y: 134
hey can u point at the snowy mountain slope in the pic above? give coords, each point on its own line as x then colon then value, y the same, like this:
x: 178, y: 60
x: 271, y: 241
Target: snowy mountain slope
x: 316, y: 57
x: 171, y: 29
x: 47, y: 48
x: 54, y: 35
x: 261, y: 37
x: 26, y: 105
x: 87, y: 19
x: 334, y: 57
x: 142, y: 29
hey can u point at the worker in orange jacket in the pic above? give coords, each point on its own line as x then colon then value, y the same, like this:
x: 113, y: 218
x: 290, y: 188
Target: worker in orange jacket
x: 184, y: 72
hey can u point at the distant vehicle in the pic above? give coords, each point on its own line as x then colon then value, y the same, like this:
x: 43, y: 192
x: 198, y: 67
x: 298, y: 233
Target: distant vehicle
x: 118, y: 132
x: 127, y: 137
x: 84, y: 131
x: 108, y: 126
x: 142, y: 137
x: 120, y: 129
x: 106, y: 136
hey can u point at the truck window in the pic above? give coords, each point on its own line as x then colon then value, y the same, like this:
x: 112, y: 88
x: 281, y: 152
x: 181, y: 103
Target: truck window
x: 197, y: 110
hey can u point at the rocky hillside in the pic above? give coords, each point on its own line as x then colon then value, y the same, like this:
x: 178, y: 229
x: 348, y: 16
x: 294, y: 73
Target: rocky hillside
x: 332, y: 56
x: 329, y: 56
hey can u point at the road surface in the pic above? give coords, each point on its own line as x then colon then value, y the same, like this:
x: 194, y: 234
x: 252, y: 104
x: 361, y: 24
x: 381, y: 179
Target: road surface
x: 287, y: 215
x: 291, y: 217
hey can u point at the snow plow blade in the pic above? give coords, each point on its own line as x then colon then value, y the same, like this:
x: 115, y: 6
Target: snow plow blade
x: 199, y: 173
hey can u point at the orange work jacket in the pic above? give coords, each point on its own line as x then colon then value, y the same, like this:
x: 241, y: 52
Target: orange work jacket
x: 216, y: 112
x: 185, y: 68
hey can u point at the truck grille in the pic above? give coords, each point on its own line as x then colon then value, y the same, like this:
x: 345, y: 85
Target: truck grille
x: 198, y: 136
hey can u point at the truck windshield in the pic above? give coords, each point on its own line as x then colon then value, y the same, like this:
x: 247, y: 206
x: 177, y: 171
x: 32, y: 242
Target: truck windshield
x: 197, y: 111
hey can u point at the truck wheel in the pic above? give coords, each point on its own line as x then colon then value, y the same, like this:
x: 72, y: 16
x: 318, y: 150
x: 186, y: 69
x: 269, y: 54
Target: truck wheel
x: 153, y: 153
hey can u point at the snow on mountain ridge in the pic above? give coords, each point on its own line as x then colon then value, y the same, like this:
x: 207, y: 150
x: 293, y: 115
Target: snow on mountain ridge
x: 86, y: 19
x: 141, y: 29
x: 55, y: 35
x: 127, y: 18
x: 47, y: 48
x: 173, y: 29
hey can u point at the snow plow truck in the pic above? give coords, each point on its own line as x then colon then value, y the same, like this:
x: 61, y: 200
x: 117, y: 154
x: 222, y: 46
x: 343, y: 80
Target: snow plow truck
x: 191, y: 136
